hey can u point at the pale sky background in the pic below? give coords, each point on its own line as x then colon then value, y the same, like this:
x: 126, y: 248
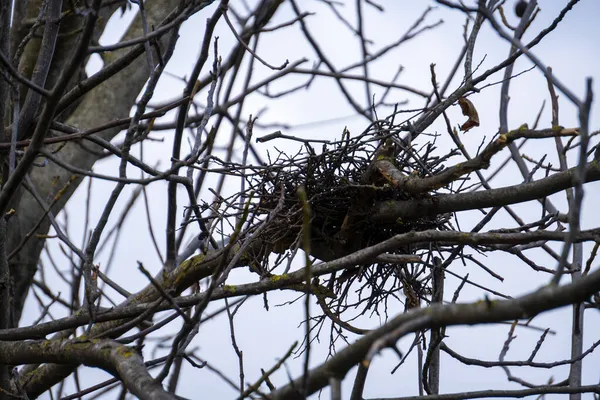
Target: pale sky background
x: 321, y: 112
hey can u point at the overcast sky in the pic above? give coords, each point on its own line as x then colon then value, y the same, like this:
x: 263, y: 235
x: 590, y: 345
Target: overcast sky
x: 321, y: 112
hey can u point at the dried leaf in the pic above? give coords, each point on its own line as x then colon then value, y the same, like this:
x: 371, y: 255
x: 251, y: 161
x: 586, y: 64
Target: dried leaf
x: 470, y: 111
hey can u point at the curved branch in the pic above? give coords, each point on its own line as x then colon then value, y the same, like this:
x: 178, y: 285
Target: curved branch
x: 201, y: 266
x: 481, y: 312
x: 121, y: 361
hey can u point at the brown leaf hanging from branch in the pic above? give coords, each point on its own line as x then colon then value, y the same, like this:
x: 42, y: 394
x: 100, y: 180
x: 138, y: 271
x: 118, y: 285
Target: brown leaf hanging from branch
x: 469, y: 110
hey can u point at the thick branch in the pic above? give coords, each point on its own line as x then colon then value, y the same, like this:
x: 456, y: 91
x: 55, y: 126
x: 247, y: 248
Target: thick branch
x: 120, y: 361
x: 390, y: 212
x: 109, y: 101
x: 481, y: 312
x: 200, y: 266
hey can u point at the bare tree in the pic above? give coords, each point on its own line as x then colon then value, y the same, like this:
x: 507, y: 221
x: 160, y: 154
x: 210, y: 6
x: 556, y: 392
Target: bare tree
x: 359, y: 233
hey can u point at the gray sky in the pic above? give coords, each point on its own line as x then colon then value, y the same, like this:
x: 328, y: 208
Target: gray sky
x: 321, y: 112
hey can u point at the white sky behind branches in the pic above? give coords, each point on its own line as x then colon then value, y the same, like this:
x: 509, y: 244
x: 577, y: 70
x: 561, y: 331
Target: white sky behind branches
x: 321, y: 112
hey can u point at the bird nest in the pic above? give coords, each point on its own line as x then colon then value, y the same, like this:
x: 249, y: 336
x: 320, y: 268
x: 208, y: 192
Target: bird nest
x: 337, y: 184
x: 342, y: 181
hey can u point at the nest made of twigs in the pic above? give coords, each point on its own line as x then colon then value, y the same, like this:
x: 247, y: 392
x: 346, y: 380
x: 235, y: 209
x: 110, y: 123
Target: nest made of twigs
x: 339, y: 197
